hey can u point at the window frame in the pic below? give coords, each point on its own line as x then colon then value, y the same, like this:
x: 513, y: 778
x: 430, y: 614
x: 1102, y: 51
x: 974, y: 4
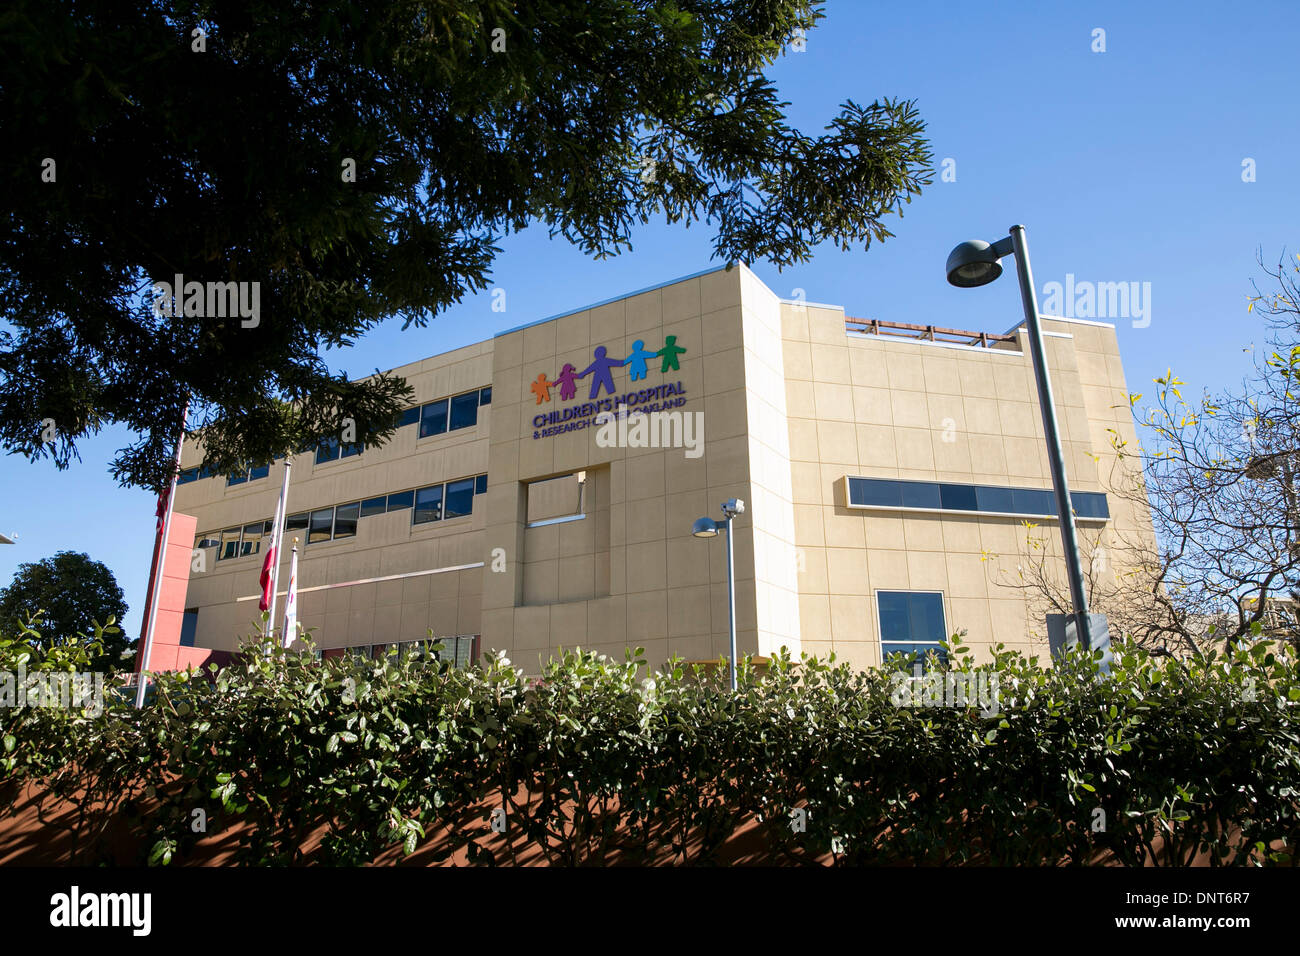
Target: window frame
x: 880, y: 624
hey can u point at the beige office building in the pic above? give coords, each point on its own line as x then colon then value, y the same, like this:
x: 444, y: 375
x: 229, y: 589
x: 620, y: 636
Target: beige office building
x: 521, y: 508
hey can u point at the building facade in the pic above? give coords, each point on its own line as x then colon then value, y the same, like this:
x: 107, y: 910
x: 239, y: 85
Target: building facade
x: 541, y: 492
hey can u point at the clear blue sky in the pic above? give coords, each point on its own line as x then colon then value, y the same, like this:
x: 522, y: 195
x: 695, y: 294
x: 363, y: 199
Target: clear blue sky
x: 1124, y: 166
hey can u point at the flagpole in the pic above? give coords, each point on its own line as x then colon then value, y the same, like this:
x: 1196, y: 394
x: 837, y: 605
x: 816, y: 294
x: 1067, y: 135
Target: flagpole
x: 291, y: 599
x: 160, y: 562
x: 277, y: 539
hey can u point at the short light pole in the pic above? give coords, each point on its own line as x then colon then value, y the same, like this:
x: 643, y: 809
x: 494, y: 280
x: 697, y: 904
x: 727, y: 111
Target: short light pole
x: 708, y: 528
x: 975, y: 263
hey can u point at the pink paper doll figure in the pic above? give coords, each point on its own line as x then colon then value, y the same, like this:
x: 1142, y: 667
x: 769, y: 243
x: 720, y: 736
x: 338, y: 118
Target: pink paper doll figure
x: 670, y: 351
x: 542, y: 389
x: 600, y: 374
x: 568, y: 382
x: 636, y: 361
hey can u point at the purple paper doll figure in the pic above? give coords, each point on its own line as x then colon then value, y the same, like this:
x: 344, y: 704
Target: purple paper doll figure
x: 600, y: 374
x: 636, y: 361
x: 568, y: 382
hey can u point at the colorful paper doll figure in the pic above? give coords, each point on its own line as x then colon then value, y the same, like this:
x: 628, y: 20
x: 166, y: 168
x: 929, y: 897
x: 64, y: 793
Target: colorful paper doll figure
x: 600, y: 374
x: 670, y: 351
x: 636, y: 361
x: 568, y: 382
x: 542, y: 389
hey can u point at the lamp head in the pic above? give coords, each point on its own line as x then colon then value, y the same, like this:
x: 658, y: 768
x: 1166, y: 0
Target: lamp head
x: 705, y: 528
x: 732, y: 507
x: 973, y: 263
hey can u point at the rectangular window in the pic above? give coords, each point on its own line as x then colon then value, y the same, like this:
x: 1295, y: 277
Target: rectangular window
x: 229, y: 544
x: 209, y: 540
x: 401, y: 500
x: 252, y: 542
x: 345, y: 519
x: 989, y: 499
x: 485, y: 395
x: 189, y: 626
x: 875, y: 493
x: 236, y: 479
x: 1089, y: 504
x: 459, y: 499
x: 374, y: 506
x: 554, y: 500
x: 352, y: 448
x: 480, y: 485
x: 464, y: 410
x: 188, y: 475
x: 433, y: 419
x: 1026, y: 501
x: 327, y: 450
x: 296, y: 522
x: 920, y: 494
x: 322, y: 525
x: 428, y: 505
x: 261, y: 471
x: 911, y: 622
x: 409, y: 417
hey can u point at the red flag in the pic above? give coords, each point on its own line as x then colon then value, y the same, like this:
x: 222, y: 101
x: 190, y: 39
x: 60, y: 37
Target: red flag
x: 268, y: 580
x: 161, y: 511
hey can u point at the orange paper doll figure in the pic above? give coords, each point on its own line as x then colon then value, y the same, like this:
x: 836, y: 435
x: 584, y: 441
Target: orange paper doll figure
x: 542, y: 389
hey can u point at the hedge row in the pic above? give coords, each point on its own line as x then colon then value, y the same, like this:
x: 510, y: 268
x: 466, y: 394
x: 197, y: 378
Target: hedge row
x: 1158, y: 762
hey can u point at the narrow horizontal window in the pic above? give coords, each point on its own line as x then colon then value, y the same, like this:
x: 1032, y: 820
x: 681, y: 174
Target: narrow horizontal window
x: 374, y: 506
x: 401, y: 500
x: 990, y: 499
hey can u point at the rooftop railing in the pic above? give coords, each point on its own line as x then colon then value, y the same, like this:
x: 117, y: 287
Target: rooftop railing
x: 932, y: 333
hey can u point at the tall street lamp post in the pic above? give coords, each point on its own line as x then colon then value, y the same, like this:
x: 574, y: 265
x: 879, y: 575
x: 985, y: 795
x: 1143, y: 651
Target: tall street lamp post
x: 708, y: 528
x: 975, y: 263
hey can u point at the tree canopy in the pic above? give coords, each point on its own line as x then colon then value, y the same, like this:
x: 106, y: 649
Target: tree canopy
x: 74, y: 591
x: 346, y: 162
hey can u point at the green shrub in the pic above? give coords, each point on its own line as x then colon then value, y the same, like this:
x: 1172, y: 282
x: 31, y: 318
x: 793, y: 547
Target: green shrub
x: 600, y: 760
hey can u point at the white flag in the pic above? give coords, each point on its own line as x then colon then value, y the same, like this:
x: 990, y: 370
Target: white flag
x: 291, y: 599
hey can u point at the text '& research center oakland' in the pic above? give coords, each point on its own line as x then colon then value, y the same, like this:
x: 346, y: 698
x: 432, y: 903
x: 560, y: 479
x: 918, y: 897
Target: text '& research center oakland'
x: 887, y: 470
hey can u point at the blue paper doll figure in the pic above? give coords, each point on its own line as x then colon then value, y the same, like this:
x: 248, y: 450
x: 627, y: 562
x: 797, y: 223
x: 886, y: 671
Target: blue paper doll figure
x: 600, y: 374
x: 636, y: 361
x: 568, y: 382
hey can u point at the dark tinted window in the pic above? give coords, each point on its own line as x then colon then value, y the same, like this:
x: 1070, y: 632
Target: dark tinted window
x: 428, y: 504
x: 869, y: 491
x: 261, y: 471
x: 409, y: 417
x: 1027, y: 501
x: 252, y: 538
x: 1090, y: 504
x: 237, y: 479
x: 958, y: 497
x: 400, y: 500
x: 328, y: 450
x: 345, y: 519
x: 485, y: 396
x: 433, y: 419
x: 322, y: 525
x: 480, y: 485
x: 352, y: 448
x: 373, y: 506
x: 920, y: 494
x: 464, y: 410
x: 910, y: 623
x: 460, y: 498
x: 188, y: 475
x: 994, y: 499
x: 296, y: 522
